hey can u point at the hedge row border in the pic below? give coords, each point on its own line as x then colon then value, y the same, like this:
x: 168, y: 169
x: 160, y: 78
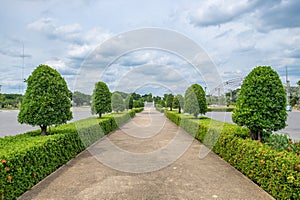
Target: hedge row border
x: 277, y: 172
x: 22, y: 169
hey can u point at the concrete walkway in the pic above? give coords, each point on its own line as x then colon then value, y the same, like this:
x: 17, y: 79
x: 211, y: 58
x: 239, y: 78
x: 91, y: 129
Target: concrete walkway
x: 148, y: 158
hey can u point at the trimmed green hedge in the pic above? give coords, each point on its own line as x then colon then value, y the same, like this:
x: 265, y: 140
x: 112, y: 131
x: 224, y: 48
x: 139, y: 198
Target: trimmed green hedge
x: 277, y: 172
x: 159, y: 108
x: 220, y: 109
x: 28, y: 158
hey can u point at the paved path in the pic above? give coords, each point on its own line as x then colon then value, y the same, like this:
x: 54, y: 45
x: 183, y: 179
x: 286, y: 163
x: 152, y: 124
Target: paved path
x: 141, y: 160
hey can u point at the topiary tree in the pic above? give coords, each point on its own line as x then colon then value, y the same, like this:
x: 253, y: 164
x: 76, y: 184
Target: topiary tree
x: 162, y: 103
x: 129, y: 102
x: 101, y: 99
x: 169, y: 101
x: 117, y: 102
x: 47, y: 99
x: 178, y: 102
x: 138, y: 103
x: 195, y: 100
x: 261, y: 105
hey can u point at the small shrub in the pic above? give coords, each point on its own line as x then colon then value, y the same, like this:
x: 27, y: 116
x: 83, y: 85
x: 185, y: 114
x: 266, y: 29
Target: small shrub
x: 159, y: 108
x: 279, y: 142
x: 296, y: 148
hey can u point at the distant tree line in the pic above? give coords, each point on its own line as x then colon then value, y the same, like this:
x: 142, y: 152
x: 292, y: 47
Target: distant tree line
x: 10, y: 100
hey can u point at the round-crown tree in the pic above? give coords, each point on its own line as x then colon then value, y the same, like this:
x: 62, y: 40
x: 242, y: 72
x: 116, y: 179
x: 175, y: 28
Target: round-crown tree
x: 162, y: 103
x: 47, y: 99
x: 129, y: 102
x: 169, y: 101
x: 117, y: 102
x: 178, y: 102
x: 261, y: 105
x: 195, y: 100
x: 101, y: 99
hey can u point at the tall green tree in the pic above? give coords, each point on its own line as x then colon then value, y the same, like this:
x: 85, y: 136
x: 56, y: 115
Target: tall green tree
x: 162, y: 103
x: 169, y: 101
x: 178, y: 102
x: 261, y: 105
x: 195, y: 100
x: 129, y: 102
x: 1, y: 100
x: 47, y: 99
x: 101, y: 99
x: 117, y: 102
x: 138, y: 103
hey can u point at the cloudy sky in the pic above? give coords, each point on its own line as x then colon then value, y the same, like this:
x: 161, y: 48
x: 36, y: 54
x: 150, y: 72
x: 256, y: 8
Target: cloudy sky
x: 147, y: 46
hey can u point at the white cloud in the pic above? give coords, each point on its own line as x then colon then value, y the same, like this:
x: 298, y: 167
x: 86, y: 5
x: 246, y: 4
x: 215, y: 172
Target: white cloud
x: 217, y: 12
x: 48, y: 27
x: 76, y: 51
x: 237, y: 35
x: 61, y: 67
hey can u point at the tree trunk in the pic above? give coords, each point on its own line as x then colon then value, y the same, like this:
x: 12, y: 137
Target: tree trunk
x: 44, y: 129
x: 253, y: 135
x: 179, y: 109
x: 100, y: 114
x: 170, y: 108
x: 259, y: 136
x: 196, y: 115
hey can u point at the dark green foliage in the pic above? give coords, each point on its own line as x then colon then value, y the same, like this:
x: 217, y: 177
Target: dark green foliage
x: 136, y: 96
x: 101, y: 99
x: 1, y: 100
x: 169, y: 101
x: 10, y: 100
x: 277, y: 172
x: 262, y: 102
x: 148, y: 97
x: 138, y: 103
x: 117, y: 102
x: 162, y: 103
x: 129, y: 102
x: 195, y: 100
x: 220, y: 109
x: 81, y: 99
x: 47, y: 99
x: 178, y: 102
x: 28, y: 158
x: 279, y: 142
x: 156, y: 99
